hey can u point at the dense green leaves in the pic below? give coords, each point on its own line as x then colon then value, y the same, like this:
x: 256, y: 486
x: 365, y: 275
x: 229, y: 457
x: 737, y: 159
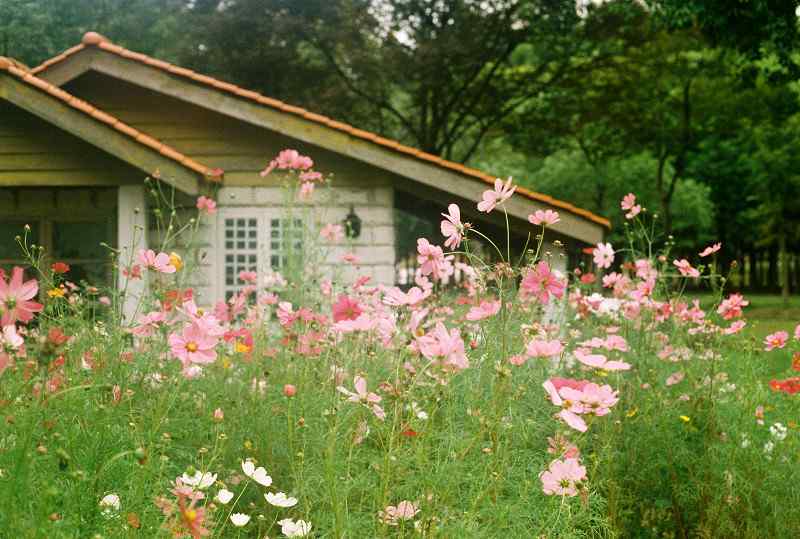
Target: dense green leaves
x: 692, y: 105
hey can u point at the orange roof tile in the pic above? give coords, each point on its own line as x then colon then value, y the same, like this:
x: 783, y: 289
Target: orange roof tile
x: 13, y: 68
x: 93, y: 39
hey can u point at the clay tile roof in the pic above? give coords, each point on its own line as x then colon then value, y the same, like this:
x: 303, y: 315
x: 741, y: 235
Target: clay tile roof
x: 95, y: 39
x: 13, y: 68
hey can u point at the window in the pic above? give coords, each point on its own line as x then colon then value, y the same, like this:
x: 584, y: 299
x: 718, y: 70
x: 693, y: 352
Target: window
x: 286, y: 242
x: 260, y: 240
x: 76, y: 242
x: 241, y: 250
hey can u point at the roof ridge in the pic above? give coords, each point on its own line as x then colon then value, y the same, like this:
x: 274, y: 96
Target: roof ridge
x: 9, y: 66
x: 94, y: 39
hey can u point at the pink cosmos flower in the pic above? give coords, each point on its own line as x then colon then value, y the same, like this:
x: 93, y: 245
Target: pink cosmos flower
x: 567, y: 414
x: 207, y: 205
x: 599, y: 361
x: 711, y: 249
x: 686, y: 268
x: 248, y: 277
x: 346, y: 308
x: 486, y: 309
x: 563, y: 477
x: 396, y: 297
x: 133, y: 272
x: 541, y: 283
x: 148, y: 323
x: 404, y: 510
x: 675, y: 378
x: 732, y: 306
x: 158, y: 262
x: 612, y: 279
x: 306, y: 190
x: 544, y: 217
x: 362, y: 396
x: 541, y: 348
x: 561, y: 446
x: 501, y: 193
x: 452, y: 228
x: 288, y: 160
x: 430, y: 259
x: 735, y: 327
x: 15, y: 298
x: 363, y: 322
x: 351, y: 258
x: 603, y: 255
x: 775, y: 340
x: 193, y: 345
x: 797, y: 332
x: 310, y: 176
x: 449, y: 346
x: 332, y: 232
x: 629, y: 204
x: 645, y: 270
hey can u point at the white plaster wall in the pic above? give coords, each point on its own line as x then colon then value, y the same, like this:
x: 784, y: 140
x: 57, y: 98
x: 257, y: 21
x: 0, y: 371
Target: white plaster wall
x: 375, y: 247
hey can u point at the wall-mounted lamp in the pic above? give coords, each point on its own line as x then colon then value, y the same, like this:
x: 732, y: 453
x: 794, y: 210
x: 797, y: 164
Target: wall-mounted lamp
x: 352, y: 224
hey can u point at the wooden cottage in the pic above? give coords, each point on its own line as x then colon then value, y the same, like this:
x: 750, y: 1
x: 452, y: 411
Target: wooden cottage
x: 81, y: 132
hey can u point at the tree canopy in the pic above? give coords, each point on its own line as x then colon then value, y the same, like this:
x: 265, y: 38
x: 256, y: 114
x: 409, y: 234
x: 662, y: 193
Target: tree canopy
x: 690, y: 104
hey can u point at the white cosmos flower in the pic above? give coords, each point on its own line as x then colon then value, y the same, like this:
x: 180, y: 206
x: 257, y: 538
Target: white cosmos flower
x: 224, y: 496
x: 259, y: 475
x: 280, y: 499
x: 110, y: 502
x: 199, y: 479
x: 240, y: 519
x: 290, y: 528
x: 10, y: 337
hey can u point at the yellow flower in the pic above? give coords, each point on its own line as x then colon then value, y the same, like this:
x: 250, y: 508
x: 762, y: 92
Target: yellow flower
x: 685, y: 418
x: 242, y: 348
x: 176, y: 261
x: 56, y: 293
x: 631, y: 412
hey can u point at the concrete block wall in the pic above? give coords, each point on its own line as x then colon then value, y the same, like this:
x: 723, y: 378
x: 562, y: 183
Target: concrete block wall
x: 374, y: 248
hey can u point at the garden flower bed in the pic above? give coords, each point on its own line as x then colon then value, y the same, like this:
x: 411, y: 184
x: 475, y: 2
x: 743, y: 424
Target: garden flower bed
x: 521, y: 403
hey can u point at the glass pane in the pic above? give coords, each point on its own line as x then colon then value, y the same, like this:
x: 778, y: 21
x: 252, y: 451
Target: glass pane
x: 9, y: 248
x: 80, y: 240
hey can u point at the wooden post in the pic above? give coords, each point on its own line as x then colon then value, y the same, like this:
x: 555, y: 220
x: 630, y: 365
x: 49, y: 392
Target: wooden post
x: 131, y: 236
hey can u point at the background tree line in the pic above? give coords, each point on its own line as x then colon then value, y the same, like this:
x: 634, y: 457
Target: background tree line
x: 694, y: 105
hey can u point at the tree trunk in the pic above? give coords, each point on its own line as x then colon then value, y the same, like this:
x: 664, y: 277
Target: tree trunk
x: 772, y: 272
x: 784, y: 268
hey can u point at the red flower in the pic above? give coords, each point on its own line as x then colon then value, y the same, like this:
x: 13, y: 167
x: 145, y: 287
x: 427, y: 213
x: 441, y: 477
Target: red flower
x: 60, y: 267
x: 56, y: 336
x: 176, y: 298
x: 789, y: 386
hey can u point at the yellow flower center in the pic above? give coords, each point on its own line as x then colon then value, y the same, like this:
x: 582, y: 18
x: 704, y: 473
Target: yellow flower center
x: 176, y: 261
x: 191, y: 347
x: 191, y: 515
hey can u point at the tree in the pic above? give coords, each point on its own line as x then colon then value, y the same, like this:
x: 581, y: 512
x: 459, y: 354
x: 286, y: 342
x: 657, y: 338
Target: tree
x: 34, y: 30
x: 744, y: 26
x: 437, y: 75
